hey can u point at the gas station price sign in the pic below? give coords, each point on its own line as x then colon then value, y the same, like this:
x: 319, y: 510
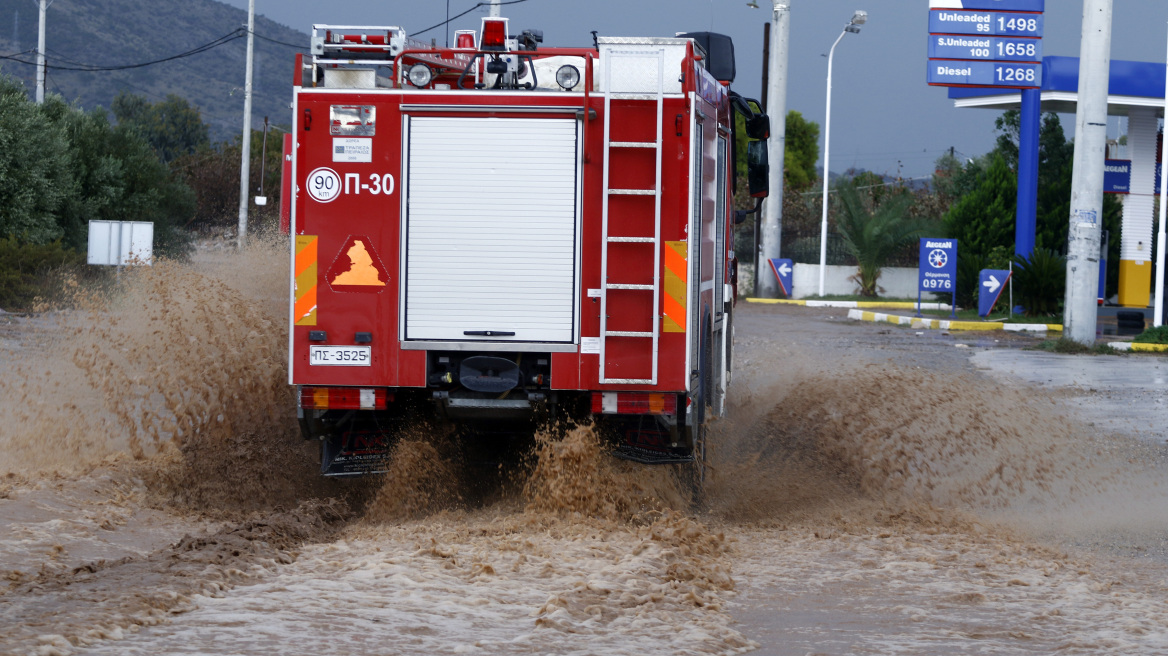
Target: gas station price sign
x: 986, y: 43
x: 986, y: 23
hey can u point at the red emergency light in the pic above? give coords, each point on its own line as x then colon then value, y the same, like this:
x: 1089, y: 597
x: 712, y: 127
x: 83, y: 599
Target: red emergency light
x: 464, y: 39
x: 633, y: 403
x: 342, y: 398
x: 494, y: 34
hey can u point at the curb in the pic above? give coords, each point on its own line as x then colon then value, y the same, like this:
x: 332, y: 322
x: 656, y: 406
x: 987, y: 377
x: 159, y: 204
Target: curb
x: 940, y: 324
x: 1134, y: 346
x: 896, y: 305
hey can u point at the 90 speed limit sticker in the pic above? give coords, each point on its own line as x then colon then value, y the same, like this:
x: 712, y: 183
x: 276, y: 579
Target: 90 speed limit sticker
x: 324, y: 185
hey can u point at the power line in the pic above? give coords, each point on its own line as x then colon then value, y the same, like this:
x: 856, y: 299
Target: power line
x: 277, y: 41
x: 451, y: 20
x: 94, y: 68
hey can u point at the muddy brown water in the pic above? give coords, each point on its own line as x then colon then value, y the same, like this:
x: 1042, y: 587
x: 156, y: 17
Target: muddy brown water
x: 871, y: 492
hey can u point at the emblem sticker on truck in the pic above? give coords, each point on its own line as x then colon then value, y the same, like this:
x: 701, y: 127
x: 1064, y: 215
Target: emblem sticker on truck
x: 358, y: 268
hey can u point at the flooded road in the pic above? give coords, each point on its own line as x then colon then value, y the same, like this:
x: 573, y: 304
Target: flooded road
x: 873, y: 491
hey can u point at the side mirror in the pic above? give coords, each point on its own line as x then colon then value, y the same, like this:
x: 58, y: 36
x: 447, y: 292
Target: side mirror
x: 758, y: 169
x: 758, y: 127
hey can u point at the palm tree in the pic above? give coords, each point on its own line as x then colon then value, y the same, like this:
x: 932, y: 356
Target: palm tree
x: 875, y: 233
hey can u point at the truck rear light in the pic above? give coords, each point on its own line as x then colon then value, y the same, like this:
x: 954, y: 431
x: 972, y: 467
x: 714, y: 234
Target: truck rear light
x: 342, y: 398
x: 464, y: 39
x: 633, y: 403
x: 494, y: 34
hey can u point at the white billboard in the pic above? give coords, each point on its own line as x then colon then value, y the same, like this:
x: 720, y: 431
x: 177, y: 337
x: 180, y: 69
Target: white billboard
x: 117, y: 243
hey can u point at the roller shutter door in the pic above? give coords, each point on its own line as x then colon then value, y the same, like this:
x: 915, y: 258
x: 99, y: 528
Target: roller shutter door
x: 491, y: 230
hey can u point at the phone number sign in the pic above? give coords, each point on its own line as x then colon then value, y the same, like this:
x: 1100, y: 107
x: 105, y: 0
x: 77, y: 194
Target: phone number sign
x: 938, y: 266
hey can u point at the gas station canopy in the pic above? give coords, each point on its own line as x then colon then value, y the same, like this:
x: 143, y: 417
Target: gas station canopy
x: 1133, y: 84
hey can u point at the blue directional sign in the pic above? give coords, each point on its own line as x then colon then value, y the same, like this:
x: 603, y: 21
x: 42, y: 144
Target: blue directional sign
x: 990, y: 286
x: 785, y: 271
x: 985, y: 23
x: 985, y: 74
x: 985, y: 48
x: 992, y: 5
x: 938, y: 266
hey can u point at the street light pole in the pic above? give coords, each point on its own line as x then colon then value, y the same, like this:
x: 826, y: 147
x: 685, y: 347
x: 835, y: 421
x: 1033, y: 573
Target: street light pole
x: 859, y: 18
x: 245, y: 146
x: 772, y: 220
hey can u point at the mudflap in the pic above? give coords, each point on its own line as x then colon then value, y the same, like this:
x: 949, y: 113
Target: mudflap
x: 648, y: 440
x: 356, y: 452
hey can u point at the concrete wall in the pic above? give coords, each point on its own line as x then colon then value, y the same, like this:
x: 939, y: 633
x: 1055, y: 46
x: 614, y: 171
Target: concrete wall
x: 894, y: 282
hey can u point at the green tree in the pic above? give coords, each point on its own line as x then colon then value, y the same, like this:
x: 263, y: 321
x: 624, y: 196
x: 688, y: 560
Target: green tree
x: 1056, y: 165
x: 802, y: 152
x: 984, y: 218
x: 172, y: 127
x: 874, y: 231
x: 35, y: 178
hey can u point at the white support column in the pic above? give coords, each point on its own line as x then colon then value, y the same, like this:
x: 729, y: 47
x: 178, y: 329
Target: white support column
x: 1135, y: 260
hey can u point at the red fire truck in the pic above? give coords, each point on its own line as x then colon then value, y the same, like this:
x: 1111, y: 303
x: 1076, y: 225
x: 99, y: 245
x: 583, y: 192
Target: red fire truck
x: 501, y: 234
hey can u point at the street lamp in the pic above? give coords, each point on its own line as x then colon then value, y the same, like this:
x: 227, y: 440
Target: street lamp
x: 853, y: 27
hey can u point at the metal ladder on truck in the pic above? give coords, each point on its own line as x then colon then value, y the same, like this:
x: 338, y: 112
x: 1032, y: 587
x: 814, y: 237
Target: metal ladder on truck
x: 647, y: 60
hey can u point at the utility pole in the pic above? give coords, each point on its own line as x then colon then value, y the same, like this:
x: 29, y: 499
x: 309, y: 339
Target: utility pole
x: 245, y: 163
x: 757, y: 232
x: 495, y: 7
x: 1080, y: 312
x: 1162, y: 232
x: 40, y: 83
x: 772, y: 221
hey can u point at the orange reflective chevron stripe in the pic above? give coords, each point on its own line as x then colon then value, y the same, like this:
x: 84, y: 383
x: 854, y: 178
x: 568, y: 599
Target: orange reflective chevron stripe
x: 675, y: 297
x: 304, y: 309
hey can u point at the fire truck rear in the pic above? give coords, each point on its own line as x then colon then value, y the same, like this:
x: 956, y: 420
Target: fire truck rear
x: 500, y: 234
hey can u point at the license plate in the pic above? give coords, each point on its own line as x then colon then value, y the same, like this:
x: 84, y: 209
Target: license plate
x: 340, y: 356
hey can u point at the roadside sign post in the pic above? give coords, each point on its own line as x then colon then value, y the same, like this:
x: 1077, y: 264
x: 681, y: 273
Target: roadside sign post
x: 784, y: 271
x: 990, y: 285
x: 937, y: 270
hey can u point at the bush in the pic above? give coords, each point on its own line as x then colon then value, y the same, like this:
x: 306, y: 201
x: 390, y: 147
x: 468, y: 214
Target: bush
x: 1040, y: 282
x: 1157, y: 335
x: 25, y: 269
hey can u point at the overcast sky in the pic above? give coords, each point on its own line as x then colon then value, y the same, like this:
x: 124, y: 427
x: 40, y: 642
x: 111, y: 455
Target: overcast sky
x: 885, y: 117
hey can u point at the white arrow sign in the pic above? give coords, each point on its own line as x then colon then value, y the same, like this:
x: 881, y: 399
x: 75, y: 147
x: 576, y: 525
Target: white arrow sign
x: 785, y: 269
x: 993, y: 283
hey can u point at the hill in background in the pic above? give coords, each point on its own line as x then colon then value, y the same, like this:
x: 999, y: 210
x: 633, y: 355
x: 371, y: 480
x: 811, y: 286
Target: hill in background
x: 110, y: 33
